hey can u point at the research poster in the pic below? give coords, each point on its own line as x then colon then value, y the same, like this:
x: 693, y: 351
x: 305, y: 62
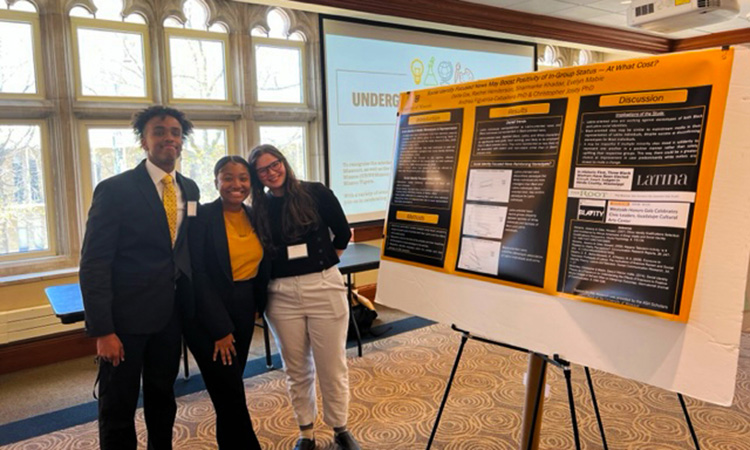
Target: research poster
x: 509, y: 190
x: 423, y: 185
x: 590, y: 183
x: 632, y: 188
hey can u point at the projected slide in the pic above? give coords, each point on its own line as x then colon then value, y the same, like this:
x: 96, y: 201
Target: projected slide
x: 366, y: 67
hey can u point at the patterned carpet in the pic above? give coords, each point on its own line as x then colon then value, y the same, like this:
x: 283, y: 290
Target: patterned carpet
x: 398, y: 384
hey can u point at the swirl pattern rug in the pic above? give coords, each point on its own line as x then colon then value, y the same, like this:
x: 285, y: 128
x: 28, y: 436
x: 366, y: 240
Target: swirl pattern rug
x: 398, y: 384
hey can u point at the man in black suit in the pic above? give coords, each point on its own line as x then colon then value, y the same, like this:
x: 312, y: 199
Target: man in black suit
x: 135, y: 277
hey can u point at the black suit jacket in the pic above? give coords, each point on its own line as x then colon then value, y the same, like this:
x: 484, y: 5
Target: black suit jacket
x: 131, y: 277
x: 212, y: 270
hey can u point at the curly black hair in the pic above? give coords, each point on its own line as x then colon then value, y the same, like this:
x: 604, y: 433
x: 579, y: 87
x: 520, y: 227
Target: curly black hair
x: 141, y: 118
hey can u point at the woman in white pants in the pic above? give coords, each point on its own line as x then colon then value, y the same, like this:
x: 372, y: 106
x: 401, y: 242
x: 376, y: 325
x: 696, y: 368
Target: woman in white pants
x: 307, y: 307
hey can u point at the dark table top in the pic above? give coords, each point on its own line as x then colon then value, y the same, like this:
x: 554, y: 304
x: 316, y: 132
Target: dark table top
x: 359, y: 257
x: 67, y: 302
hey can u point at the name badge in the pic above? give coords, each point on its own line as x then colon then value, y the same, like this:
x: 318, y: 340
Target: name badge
x: 192, y: 208
x: 296, y: 251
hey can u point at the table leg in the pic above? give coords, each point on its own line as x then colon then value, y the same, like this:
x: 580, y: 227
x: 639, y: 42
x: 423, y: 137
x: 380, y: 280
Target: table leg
x: 349, y: 297
x: 185, y: 359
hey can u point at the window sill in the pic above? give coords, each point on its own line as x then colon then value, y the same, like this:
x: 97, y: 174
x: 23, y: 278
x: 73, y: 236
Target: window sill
x: 37, y: 276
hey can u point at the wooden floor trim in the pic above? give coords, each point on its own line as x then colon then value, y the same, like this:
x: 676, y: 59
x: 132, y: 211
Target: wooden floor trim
x: 37, y: 352
x: 368, y: 290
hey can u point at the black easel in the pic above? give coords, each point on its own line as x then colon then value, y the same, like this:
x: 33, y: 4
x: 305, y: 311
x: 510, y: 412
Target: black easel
x: 596, y: 408
x: 555, y: 360
x: 601, y: 427
x: 689, y: 423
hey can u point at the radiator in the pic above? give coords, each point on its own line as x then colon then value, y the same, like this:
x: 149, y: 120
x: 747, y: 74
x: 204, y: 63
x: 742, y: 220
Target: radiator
x: 28, y: 323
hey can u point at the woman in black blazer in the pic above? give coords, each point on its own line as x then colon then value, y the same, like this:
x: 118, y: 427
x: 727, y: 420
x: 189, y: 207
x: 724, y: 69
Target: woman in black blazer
x: 230, y: 276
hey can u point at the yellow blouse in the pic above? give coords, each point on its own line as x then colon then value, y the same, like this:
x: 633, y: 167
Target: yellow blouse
x: 245, y: 249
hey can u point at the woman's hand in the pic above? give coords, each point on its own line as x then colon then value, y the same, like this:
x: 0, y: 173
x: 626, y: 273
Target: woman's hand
x: 225, y: 348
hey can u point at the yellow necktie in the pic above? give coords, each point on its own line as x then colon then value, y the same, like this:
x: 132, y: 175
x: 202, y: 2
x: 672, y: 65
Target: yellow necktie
x: 170, y: 205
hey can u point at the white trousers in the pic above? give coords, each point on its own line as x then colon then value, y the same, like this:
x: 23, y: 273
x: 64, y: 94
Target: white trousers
x: 309, y: 318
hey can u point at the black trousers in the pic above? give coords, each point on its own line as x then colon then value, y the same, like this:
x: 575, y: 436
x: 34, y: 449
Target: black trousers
x: 156, y: 358
x: 234, y: 429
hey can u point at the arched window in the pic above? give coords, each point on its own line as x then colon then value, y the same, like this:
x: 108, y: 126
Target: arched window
x: 280, y: 81
x: 198, y: 68
x: 21, y: 5
x: 197, y: 57
x: 20, y: 51
x: 58, y: 142
x: 111, y: 53
x: 279, y: 68
x: 26, y: 217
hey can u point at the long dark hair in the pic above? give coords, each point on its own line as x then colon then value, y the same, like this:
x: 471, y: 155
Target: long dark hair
x: 298, y: 213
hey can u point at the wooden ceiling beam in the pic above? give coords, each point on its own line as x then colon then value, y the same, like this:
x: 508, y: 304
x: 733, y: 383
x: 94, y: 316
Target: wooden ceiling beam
x: 732, y: 37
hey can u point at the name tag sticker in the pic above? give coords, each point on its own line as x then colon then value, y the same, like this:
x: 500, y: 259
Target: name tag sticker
x: 192, y: 208
x: 296, y: 251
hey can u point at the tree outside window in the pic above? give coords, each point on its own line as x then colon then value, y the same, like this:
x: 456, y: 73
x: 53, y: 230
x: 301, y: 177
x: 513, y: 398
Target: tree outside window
x: 112, y: 151
x: 197, y: 56
x: 111, y: 52
x: 199, y: 154
x: 23, y: 215
x: 17, y: 58
x: 279, y: 60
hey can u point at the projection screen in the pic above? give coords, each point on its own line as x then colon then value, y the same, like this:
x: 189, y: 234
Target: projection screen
x: 366, y: 65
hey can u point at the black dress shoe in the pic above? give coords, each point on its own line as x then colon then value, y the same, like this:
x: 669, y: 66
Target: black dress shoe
x: 305, y: 444
x: 345, y: 441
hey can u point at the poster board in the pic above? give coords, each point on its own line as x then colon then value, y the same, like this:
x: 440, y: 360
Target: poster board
x: 698, y: 358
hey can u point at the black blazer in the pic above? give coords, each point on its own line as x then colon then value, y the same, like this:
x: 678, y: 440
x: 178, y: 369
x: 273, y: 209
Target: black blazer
x: 212, y: 270
x: 331, y: 233
x: 130, y: 274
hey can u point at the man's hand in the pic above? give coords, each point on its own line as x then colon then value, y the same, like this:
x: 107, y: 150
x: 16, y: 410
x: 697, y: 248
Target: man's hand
x: 109, y: 348
x: 225, y: 348
x: 339, y: 252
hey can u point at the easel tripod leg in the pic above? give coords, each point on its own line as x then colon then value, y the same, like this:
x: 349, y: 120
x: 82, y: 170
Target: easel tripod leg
x: 689, y: 423
x: 596, y: 408
x: 464, y: 338
x: 572, y: 403
x: 530, y: 433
